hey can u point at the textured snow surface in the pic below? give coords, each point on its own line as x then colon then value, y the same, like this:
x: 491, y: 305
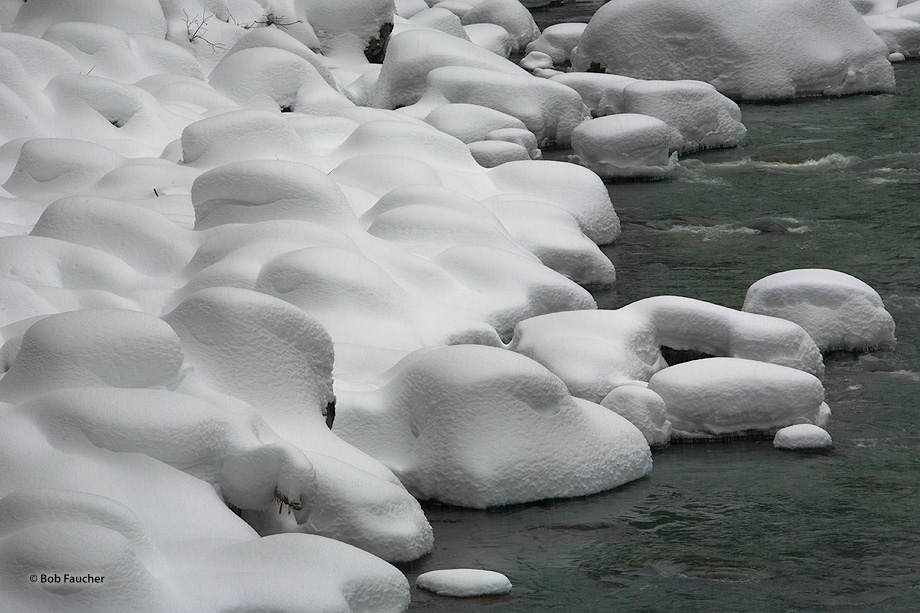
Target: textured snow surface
x: 839, y: 311
x: 748, y: 49
x: 626, y: 145
x: 464, y: 582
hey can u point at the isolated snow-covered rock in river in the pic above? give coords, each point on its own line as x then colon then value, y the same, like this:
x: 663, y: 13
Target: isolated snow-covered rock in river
x: 705, y: 118
x: 839, y: 311
x: 597, y: 351
x: 720, y: 396
x: 482, y: 426
x: 626, y: 145
x: 748, y: 49
x: 802, y: 436
x: 464, y: 582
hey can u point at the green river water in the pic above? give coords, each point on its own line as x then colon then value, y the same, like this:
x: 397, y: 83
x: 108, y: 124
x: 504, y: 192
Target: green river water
x: 740, y: 526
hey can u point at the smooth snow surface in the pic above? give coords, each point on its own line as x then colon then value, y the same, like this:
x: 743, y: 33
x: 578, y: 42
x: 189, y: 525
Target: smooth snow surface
x: 748, y: 50
x: 597, y: 351
x: 482, y: 426
x: 464, y: 582
x: 802, y: 436
x: 839, y: 311
x: 720, y: 396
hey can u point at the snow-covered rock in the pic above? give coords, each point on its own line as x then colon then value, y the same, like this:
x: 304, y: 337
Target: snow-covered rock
x: 705, y: 118
x: 626, y: 145
x: 492, y: 153
x: 510, y: 15
x: 749, y: 50
x: 601, y: 93
x: 802, y: 436
x: 901, y: 35
x: 597, y: 351
x: 558, y: 41
x: 464, y: 582
x: 722, y: 396
x: 839, y: 311
x: 492, y: 37
x: 644, y: 409
x: 482, y: 426
x: 550, y: 110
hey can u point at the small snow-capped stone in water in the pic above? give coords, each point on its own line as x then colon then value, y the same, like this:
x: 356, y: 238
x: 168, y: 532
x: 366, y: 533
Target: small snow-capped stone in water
x: 802, y: 436
x: 896, y: 57
x: 464, y: 582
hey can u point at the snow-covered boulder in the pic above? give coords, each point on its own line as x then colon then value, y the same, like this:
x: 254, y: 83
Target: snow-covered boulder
x: 901, y: 35
x: 492, y: 37
x: 802, y: 436
x: 412, y: 54
x: 438, y: 19
x: 558, y: 41
x: 510, y: 15
x: 722, y: 396
x: 749, y: 50
x: 705, y: 118
x: 482, y: 426
x: 470, y: 122
x: 626, y: 145
x: 492, y: 153
x: 550, y: 110
x: 644, y: 409
x: 839, y: 311
x: 464, y: 582
x: 597, y: 351
x: 601, y: 93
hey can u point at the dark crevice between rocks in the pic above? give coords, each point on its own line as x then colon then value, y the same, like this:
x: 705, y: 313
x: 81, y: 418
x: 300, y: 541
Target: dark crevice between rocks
x: 679, y: 356
x: 377, y: 47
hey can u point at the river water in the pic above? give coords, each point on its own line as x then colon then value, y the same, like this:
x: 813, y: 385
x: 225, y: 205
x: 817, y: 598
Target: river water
x: 739, y: 526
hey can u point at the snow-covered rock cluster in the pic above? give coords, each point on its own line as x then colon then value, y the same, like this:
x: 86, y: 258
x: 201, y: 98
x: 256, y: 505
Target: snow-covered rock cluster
x: 231, y: 225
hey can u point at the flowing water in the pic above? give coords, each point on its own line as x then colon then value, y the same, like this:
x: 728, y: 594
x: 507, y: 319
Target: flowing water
x: 739, y: 526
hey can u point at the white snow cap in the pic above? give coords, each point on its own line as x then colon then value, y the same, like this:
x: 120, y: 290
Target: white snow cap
x: 464, y: 582
x: 597, y: 351
x: 802, y: 436
x: 748, y: 49
x: 720, y: 396
x: 482, y: 426
x: 626, y: 145
x: 839, y: 311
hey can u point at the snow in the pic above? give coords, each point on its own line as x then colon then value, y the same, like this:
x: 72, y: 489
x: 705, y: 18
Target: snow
x: 558, y: 41
x: 705, y: 118
x: 219, y: 236
x: 723, y: 396
x: 752, y: 50
x: 597, y: 351
x: 802, y: 436
x: 626, y: 145
x: 448, y: 444
x: 839, y: 311
x: 901, y: 35
x: 510, y: 15
x: 464, y: 582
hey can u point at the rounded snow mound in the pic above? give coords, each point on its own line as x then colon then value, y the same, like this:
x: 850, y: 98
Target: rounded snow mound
x: 802, y: 436
x: 480, y: 426
x: 464, y: 582
x: 839, y: 311
x: 749, y: 49
x: 626, y: 145
x: 722, y: 396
